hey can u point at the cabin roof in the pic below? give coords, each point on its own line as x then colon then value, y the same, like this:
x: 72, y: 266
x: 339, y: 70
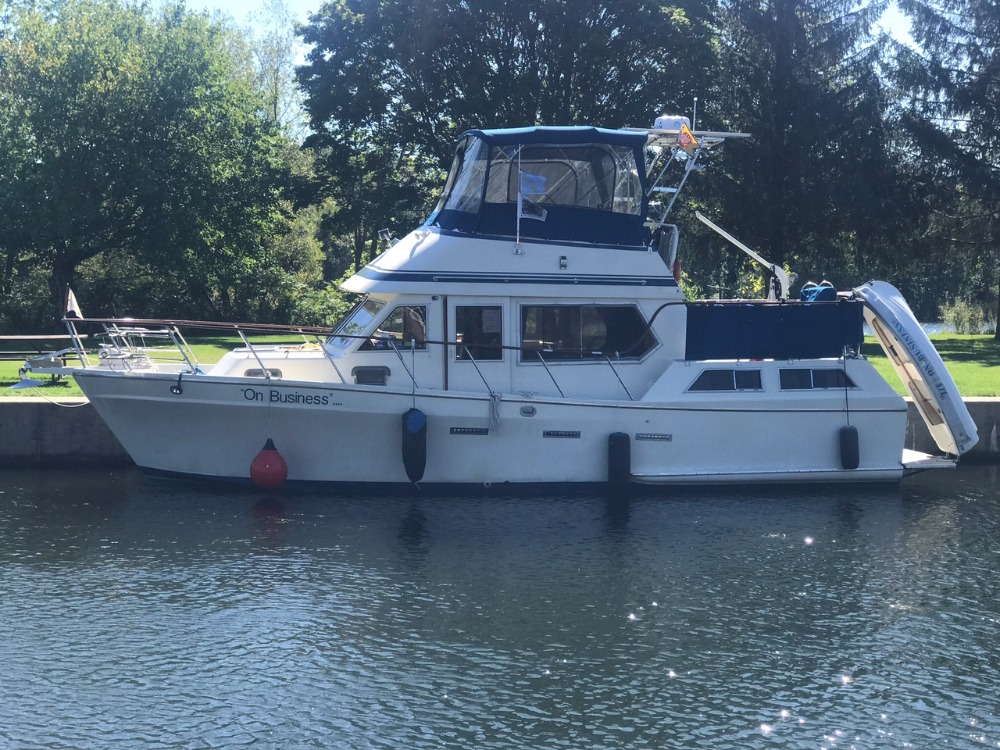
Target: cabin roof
x: 560, y: 134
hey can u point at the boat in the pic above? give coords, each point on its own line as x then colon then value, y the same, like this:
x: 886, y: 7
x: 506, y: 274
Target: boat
x: 533, y: 331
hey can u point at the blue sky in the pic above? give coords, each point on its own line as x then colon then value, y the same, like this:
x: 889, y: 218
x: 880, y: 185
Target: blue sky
x: 893, y: 20
x: 241, y: 9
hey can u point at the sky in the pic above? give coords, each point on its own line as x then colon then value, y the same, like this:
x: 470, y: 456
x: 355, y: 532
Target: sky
x: 893, y: 20
x: 240, y: 10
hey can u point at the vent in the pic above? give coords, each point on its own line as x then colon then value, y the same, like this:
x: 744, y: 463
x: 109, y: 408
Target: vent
x: 259, y: 373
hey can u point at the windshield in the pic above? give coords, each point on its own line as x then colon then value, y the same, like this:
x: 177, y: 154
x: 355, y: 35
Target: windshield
x: 348, y: 331
x: 464, y: 189
x: 583, y: 175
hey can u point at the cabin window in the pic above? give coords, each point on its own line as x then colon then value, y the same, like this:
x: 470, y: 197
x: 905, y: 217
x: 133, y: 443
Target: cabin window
x: 583, y: 332
x: 479, y: 332
x: 831, y: 378
x: 404, y: 326
x: 356, y: 322
x: 727, y: 380
x: 801, y: 379
x: 589, y: 175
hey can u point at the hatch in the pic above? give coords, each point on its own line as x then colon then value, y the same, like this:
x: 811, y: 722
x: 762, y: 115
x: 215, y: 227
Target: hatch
x: 920, y: 367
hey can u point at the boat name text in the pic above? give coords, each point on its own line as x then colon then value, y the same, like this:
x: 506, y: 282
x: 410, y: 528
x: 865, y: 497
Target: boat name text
x: 920, y: 359
x: 277, y: 397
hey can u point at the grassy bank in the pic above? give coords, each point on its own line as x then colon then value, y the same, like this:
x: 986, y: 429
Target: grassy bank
x: 974, y: 362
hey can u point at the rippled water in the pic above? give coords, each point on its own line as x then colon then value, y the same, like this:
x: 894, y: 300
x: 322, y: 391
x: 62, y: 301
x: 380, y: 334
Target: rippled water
x: 144, y: 614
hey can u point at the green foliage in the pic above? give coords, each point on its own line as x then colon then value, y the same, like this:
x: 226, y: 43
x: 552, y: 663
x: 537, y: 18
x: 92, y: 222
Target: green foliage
x: 968, y: 318
x: 389, y: 84
x: 818, y: 186
x: 139, y: 136
x: 950, y: 86
x: 150, y: 156
x: 318, y: 307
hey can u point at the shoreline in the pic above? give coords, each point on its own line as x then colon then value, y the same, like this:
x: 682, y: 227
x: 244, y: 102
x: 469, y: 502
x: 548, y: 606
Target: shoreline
x: 45, y: 432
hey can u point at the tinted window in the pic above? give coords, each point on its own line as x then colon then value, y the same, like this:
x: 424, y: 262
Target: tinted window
x: 831, y: 378
x: 479, y: 332
x: 748, y: 380
x: 714, y: 380
x: 796, y: 380
x: 727, y: 380
x: 574, y: 332
x: 792, y: 380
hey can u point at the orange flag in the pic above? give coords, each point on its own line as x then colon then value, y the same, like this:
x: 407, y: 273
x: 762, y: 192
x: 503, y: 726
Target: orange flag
x: 686, y: 140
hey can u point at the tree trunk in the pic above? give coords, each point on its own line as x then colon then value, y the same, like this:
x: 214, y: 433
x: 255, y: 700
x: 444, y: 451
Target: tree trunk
x: 996, y: 331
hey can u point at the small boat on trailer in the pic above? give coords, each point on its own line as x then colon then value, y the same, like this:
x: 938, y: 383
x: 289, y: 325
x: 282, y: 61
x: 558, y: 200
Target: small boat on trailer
x: 533, y: 332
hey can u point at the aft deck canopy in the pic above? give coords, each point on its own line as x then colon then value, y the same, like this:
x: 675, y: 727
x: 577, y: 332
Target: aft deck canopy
x: 570, y: 184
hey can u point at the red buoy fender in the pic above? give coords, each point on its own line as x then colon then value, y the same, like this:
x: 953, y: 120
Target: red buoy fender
x: 268, y: 470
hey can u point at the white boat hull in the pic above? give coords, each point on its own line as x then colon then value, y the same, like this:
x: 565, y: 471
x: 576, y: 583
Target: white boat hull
x: 351, y: 435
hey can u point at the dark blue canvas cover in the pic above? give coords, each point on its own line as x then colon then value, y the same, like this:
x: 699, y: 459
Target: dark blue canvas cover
x: 773, y: 330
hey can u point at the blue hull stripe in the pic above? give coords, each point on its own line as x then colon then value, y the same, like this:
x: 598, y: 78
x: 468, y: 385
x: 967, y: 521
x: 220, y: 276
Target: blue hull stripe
x: 464, y: 277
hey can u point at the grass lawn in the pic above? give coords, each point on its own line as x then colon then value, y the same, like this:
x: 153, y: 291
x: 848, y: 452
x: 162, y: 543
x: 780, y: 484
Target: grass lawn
x: 974, y: 363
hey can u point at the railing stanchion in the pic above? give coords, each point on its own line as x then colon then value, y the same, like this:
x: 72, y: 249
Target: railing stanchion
x: 551, y: 376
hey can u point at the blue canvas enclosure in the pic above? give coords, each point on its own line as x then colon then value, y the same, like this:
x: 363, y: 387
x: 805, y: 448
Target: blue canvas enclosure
x: 572, y: 184
x: 773, y: 330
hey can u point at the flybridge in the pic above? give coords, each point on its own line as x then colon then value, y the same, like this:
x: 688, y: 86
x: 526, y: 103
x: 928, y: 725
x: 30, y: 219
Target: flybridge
x: 567, y: 184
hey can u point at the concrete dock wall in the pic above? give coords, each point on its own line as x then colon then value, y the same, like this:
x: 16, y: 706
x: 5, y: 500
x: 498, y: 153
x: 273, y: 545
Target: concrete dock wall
x: 39, y: 431
x: 985, y: 412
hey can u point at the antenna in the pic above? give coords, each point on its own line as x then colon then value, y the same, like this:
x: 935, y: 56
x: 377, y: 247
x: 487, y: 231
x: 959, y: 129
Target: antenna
x: 694, y: 115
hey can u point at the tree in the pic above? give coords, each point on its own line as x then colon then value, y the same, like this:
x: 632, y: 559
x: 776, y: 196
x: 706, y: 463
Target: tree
x: 951, y: 80
x: 275, y: 48
x: 137, y: 136
x: 816, y: 187
x: 389, y: 84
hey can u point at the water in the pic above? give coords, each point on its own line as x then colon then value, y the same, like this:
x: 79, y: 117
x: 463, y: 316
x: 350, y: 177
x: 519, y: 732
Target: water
x: 140, y: 614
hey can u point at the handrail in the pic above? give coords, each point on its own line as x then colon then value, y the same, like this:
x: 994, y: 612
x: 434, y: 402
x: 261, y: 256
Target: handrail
x: 265, y: 371
x: 551, y: 376
x: 392, y: 343
x: 120, y: 328
x: 476, y: 365
x: 627, y: 392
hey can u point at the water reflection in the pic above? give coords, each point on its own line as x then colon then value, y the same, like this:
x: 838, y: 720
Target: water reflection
x: 149, y: 614
x: 272, y: 521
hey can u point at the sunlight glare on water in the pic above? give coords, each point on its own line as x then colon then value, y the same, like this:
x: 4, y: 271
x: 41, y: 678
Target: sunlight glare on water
x: 145, y: 614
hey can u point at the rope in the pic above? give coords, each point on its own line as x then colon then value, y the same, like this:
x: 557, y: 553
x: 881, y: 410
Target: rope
x: 495, y: 399
x: 56, y: 403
